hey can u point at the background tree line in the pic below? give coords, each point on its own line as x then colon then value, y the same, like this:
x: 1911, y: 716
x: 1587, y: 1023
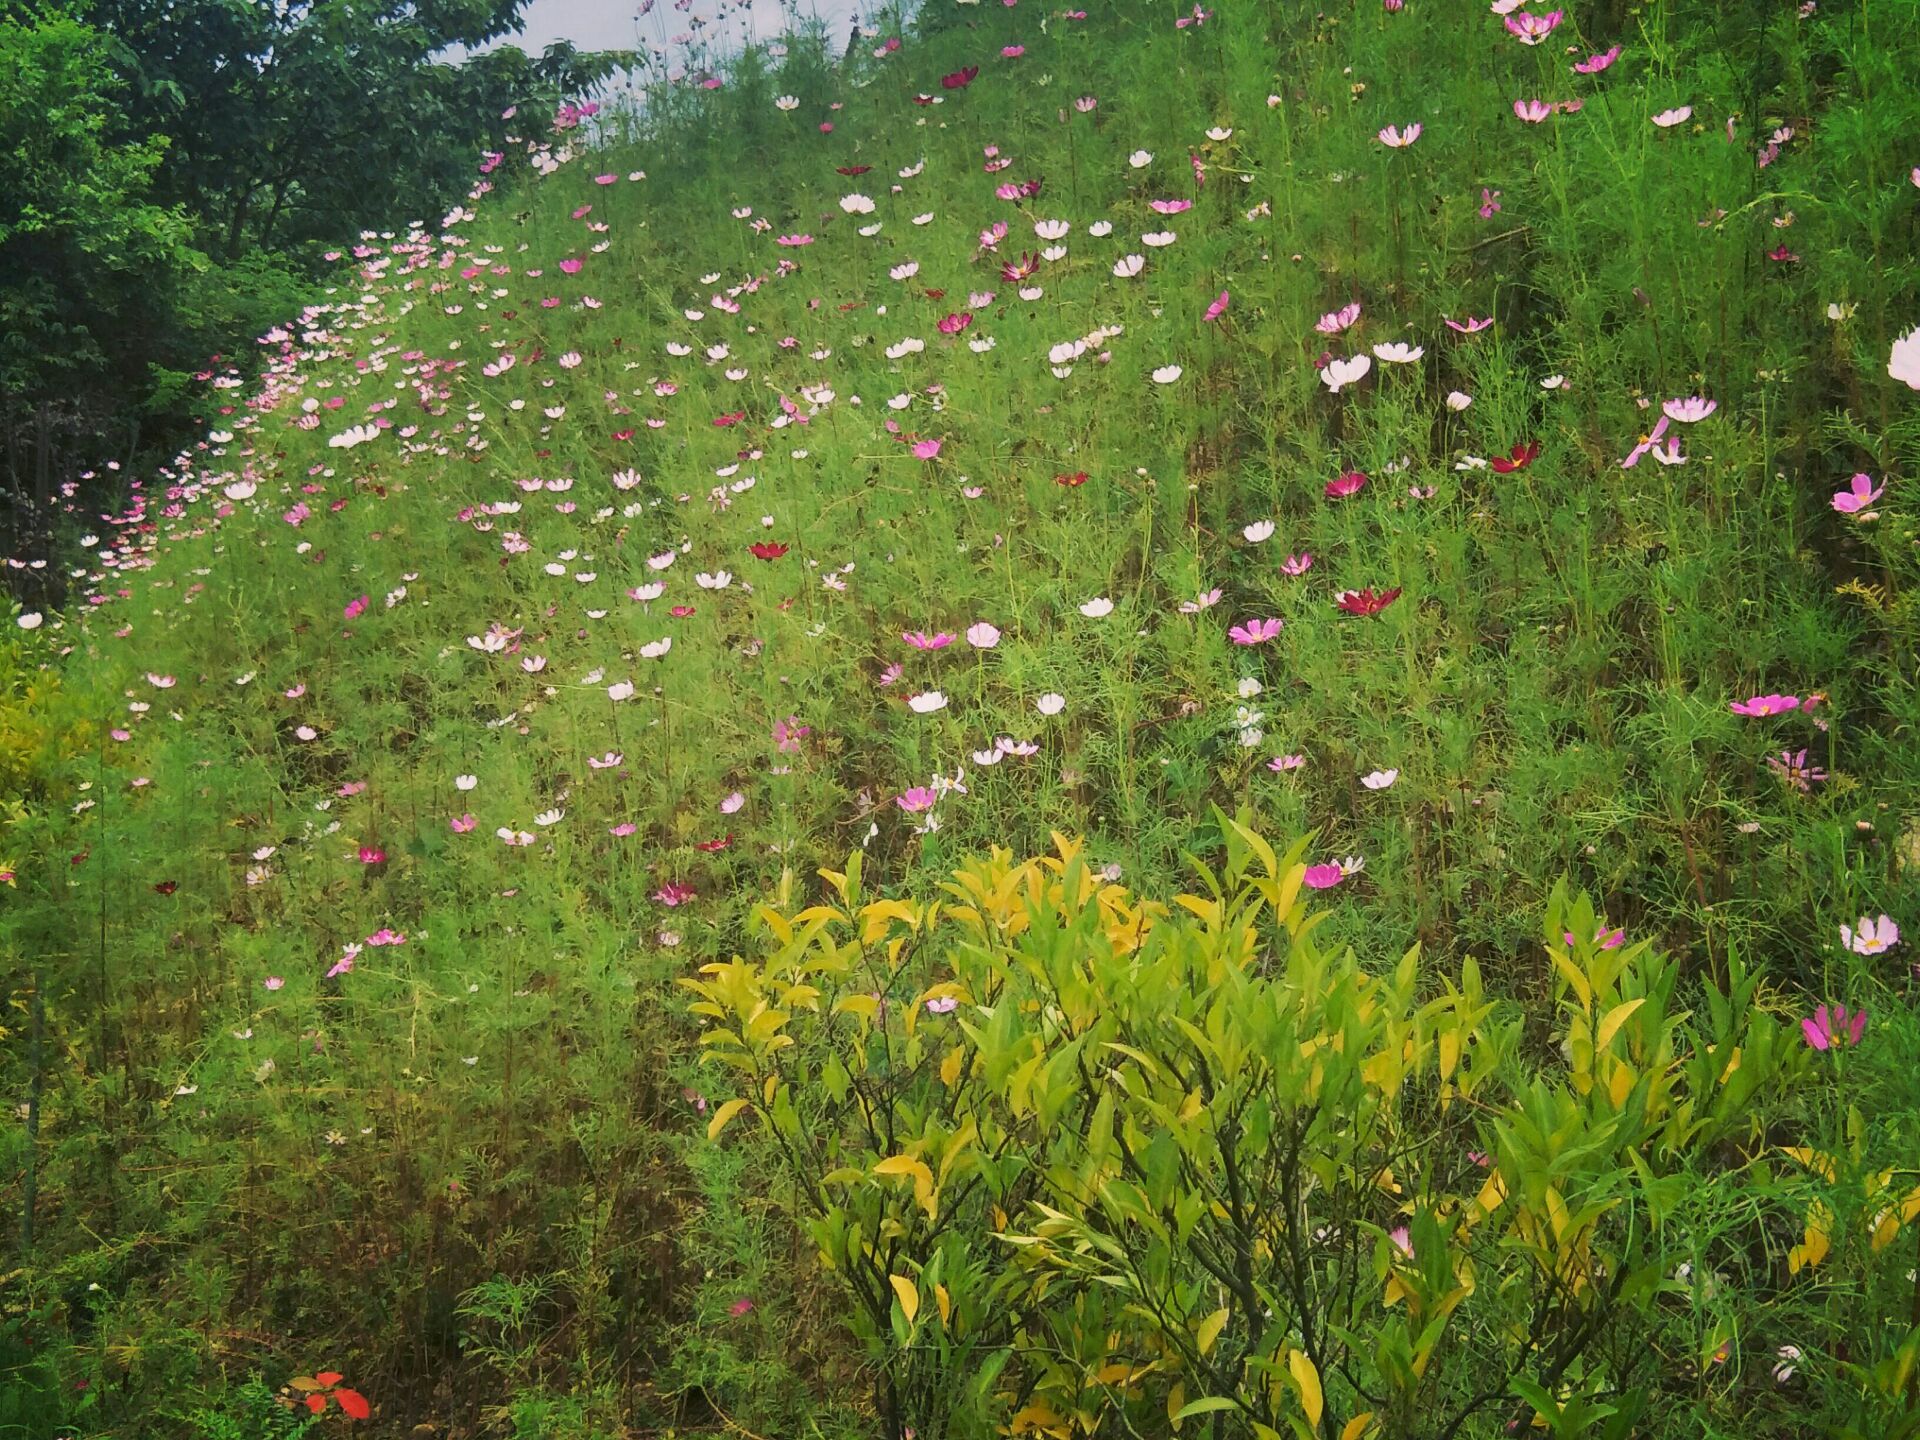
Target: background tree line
x: 172, y: 173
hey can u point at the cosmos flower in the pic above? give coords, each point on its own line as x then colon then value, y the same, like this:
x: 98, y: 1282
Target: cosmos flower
x: 1870, y: 936
x: 1859, y: 494
x: 1831, y: 1026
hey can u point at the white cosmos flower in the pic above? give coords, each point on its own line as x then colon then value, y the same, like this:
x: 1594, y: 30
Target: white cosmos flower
x: 654, y: 649
x: 1128, y: 266
x: 549, y: 817
x: 1140, y: 159
x: 1050, y: 703
x: 1345, y: 372
x: 1097, y: 607
x: 465, y: 782
x: 1155, y: 239
x: 926, y: 702
x: 1458, y: 400
x: 620, y: 690
x: 856, y: 204
x: 1398, y: 352
x: 1258, y: 532
x: 1167, y: 374
x: 1379, y: 779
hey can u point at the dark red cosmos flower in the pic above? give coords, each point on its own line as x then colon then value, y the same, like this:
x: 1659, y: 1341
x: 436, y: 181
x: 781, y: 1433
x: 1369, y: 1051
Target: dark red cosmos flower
x: 1365, y: 602
x: 956, y: 322
x: 959, y: 79
x: 731, y: 418
x: 1518, y: 458
x: 935, y: 294
x: 923, y: 99
x: 1073, y: 481
x: 680, y: 612
x: 166, y: 887
x: 853, y: 169
x: 1030, y: 189
x: 712, y: 846
x: 767, y: 550
x: 1014, y: 271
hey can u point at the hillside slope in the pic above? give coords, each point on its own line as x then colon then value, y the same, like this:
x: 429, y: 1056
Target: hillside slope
x: 1059, y: 421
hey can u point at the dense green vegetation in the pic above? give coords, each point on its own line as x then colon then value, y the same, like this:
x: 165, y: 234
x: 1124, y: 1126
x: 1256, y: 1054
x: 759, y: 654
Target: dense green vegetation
x: 174, y: 177
x: 1135, y: 723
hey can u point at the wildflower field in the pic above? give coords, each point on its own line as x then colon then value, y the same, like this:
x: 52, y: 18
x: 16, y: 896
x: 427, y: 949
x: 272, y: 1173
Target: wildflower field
x: 1134, y: 722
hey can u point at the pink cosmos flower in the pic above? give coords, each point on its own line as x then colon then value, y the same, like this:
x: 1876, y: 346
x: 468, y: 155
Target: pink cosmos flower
x: 1470, y: 326
x: 462, y: 824
x: 356, y: 608
x: 1760, y: 705
x: 788, y: 733
x: 1648, y: 442
x: 1603, y: 938
x: 1217, y: 308
x: 1830, y: 1026
x: 1334, y: 321
x: 623, y: 829
x: 1283, y: 763
x: 1594, y: 64
x: 1689, y: 408
x: 1489, y: 203
x: 1297, y: 564
x: 926, y: 449
x: 1532, y: 111
x: 1871, y: 937
x: 1857, y: 496
x: 1396, y: 139
x: 943, y: 1004
x: 982, y: 635
x: 1255, y: 632
x: 1530, y: 29
x: 1792, y: 767
x: 915, y: 800
x: 920, y: 640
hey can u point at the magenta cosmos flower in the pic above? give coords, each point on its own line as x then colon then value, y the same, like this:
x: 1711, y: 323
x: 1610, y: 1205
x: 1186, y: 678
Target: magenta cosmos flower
x: 1323, y: 877
x: 1348, y: 482
x: 1760, y: 705
x: 1857, y: 496
x: 1832, y: 1025
x: 1255, y: 632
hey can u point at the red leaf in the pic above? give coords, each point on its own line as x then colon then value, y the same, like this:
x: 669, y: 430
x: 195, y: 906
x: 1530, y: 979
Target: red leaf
x: 326, y: 1379
x: 316, y: 1403
x: 353, y: 1402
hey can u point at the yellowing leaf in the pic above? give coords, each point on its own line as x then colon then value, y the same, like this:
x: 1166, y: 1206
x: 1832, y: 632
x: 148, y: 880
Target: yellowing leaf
x: 922, y: 1178
x: 1616, y: 1017
x: 944, y: 1301
x: 1210, y: 1329
x: 722, y: 1115
x: 1307, y: 1377
x: 1355, y: 1427
x: 907, y: 1293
